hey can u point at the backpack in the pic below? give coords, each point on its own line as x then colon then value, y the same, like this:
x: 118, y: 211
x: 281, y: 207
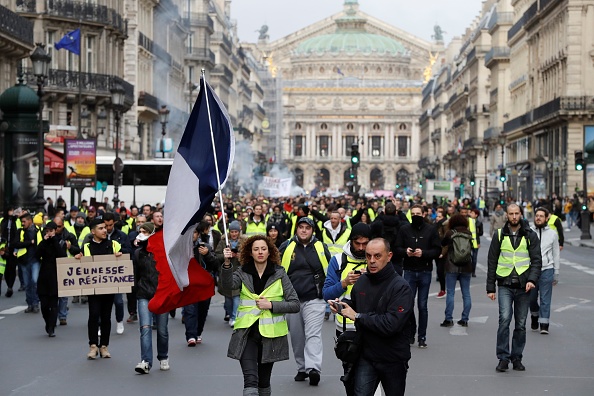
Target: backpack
x: 461, y: 252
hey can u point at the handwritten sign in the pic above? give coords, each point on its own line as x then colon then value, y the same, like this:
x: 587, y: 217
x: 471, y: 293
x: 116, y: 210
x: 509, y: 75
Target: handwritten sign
x: 95, y: 275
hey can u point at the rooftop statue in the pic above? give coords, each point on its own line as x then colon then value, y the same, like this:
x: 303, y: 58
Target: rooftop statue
x: 438, y: 33
x: 263, y: 33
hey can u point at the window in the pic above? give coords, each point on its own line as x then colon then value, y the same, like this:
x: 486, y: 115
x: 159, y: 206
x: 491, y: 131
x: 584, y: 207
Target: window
x: 298, y: 126
x: 348, y: 142
x: 51, y: 39
x: 324, y: 146
x: 90, y: 54
x: 376, y: 146
x: 402, y: 146
x: 298, y: 149
x: 350, y: 127
x: 402, y: 127
x: 324, y: 126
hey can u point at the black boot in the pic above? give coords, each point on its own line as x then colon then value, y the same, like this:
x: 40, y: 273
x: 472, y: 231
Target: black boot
x: 534, y: 323
x: 544, y: 328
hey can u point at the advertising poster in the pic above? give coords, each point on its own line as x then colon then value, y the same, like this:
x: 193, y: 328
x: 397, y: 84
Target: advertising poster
x: 25, y: 167
x: 81, y: 160
x: 589, y: 159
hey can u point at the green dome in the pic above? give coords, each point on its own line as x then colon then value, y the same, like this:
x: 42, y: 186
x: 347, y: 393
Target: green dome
x: 351, y: 42
x: 19, y: 99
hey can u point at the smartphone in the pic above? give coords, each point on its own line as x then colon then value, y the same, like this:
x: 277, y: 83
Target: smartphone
x: 337, y: 306
x: 234, y: 250
x: 357, y: 272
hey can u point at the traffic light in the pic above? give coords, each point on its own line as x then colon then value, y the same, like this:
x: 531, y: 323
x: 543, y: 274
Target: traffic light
x: 355, y: 154
x: 397, y: 185
x: 352, y: 174
x: 420, y: 183
x: 472, y: 182
x: 502, y: 176
x: 579, y: 160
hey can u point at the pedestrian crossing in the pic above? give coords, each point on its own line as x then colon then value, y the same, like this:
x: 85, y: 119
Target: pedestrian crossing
x: 13, y: 310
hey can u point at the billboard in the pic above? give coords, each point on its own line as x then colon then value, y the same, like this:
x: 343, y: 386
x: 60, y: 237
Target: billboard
x: 80, y: 158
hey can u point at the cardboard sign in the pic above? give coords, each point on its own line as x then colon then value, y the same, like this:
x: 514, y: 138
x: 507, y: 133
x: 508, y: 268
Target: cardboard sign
x: 95, y: 275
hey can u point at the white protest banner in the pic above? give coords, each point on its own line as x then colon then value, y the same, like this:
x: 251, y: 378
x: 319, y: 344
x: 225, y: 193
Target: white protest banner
x: 276, y: 187
x: 95, y: 275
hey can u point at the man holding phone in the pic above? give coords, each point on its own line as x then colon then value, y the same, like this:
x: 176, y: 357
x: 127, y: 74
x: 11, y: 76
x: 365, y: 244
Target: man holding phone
x: 344, y: 270
x: 418, y: 244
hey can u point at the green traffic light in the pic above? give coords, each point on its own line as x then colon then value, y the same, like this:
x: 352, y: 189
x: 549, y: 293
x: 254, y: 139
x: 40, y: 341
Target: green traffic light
x: 397, y: 185
x: 472, y: 183
x: 584, y: 207
x: 579, y: 167
x: 355, y: 160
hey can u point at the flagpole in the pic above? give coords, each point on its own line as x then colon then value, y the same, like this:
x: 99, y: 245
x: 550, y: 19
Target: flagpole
x: 214, y: 151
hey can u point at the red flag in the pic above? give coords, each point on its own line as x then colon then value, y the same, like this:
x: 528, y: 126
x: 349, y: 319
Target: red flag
x: 168, y: 295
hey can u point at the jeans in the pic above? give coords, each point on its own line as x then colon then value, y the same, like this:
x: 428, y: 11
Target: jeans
x: 464, y: 278
x: 255, y: 373
x: 62, y: 308
x: 145, y: 319
x: 118, y: 301
x: 545, y: 288
x: 99, y: 308
x: 195, y: 318
x: 369, y: 374
x: 231, y: 306
x: 514, y: 302
x: 474, y: 259
x: 420, y: 281
x: 30, y: 276
x: 440, y: 265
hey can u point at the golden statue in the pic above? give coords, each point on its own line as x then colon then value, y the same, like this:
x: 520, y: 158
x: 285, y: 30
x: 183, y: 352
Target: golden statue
x: 429, y: 69
x: 270, y: 61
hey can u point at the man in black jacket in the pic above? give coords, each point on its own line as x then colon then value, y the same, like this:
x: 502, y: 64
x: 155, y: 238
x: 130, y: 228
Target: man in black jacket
x: 68, y: 248
x: 418, y: 244
x: 381, y: 305
x: 25, y: 246
x: 514, y: 261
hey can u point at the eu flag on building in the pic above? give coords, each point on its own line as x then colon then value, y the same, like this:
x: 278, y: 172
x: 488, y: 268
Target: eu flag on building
x: 70, y: 42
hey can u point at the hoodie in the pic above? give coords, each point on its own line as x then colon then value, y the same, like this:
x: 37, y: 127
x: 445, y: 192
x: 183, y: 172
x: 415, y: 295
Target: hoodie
x: 549, y: 248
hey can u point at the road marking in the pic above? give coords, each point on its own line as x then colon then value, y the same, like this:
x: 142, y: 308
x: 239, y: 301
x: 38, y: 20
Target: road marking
x: 458, y: 330
x: 1, y: 317
x: 578, y: 267
x: 570, y: 306
x: 479, y: 319
x: 13, y: 310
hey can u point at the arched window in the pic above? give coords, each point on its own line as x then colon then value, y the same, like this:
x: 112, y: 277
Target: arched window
x: 298, y: 173
x: 376, y: 179
x: 323, y: 178
x: 402, y: 178
x: 376, y: 127
x: 402, y: 127
x: 350, y: 126
x: 324, y: 126
x: 298, y: 126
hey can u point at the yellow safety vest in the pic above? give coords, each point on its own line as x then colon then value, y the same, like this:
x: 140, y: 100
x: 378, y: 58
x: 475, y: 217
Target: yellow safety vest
x: 115, y: 245
x: 510, y: 258
x: 551, y: 223
x: 336, y: 246
x: 482, y: 204
x: 288, y: 255
x: 255, y: 229
x: 2, y: 260
x: 270, y: 324
x: 21, y: 252
x: 472, y: 227
x: 409, y: 216
x: 70, y: 228
x: 352, y: 264
x: 371, y: 214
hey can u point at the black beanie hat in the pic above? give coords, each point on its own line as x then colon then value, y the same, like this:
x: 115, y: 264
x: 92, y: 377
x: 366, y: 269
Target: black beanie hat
x: 360, y: 230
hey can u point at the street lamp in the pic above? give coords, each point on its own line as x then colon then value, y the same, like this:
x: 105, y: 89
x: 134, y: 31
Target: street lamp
x: 472, y: 153
x: 501, y: 142
x: 163, y: 119
x: 117, y: 101
x: 486, y: 154
x: 40, y: 60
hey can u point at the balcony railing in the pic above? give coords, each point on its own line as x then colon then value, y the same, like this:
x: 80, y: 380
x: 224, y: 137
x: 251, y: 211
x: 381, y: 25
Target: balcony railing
x: 470, y: 113
x: 515, y: 29
x: 92, y: 83
x: 258, y: 109
x: 258, y: 89
x: 80, y: 11
x: 245, y: 89
x: 200, y: 19
x: 436, y: 134
x: 459, y: 122
x: 424, y: 117
x: 220, y: 36
x: 201, y: 54
x: 492, y: 132
x: 147, y: 100
x: 154, y: 48
x: 545, y: 3
x: 224, y: 71
x: 471, y: 55
x: 497, y: 53
x: 531, y: 12
x: 15, y: 26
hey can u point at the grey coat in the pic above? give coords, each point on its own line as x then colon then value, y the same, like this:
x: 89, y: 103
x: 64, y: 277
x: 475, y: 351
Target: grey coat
x: 273, y: 349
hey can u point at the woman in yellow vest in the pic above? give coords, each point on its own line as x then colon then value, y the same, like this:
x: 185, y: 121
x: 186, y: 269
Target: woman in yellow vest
x: 266, y: 294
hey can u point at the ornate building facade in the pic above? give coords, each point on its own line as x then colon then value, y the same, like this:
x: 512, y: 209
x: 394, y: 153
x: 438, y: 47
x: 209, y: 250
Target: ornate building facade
x: 349, y: 78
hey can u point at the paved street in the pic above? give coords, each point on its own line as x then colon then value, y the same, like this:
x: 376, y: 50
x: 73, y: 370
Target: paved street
x: 458, y: 361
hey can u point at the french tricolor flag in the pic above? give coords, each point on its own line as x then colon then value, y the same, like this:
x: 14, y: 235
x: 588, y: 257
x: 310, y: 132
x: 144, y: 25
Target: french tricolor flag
x: 207, y: 140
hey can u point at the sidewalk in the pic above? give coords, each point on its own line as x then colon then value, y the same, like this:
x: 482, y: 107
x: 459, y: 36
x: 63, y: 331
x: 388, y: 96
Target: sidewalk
x: 572, y: 237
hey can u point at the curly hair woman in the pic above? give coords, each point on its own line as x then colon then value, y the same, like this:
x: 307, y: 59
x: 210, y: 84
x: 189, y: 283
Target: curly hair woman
x: 266, y: 294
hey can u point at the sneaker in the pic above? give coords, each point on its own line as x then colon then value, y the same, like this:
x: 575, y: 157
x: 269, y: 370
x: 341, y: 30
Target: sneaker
x: 441, y: 294
x: 84, y: 299
x: 231, y: 323
x: 172, y: 313
x: 544, y: 328
x: 63, y: 322
x: 9, y: 292
x: 142, y: 368
x: 132, y: 318
x: 301, y: 376
x: 326, y: 315
x: 199, y: 340
x: 314, y: 377
x: 422, y: 344
x: 22, y: 288
x: 29, y: 309
x: 51, y: 332
x: 473, y: 275
x: 518, y: 366
x: 35, y: 309
x: 534, y: 323
x: 75, y: 299
x: 463, y: 323
x: 164, y: 365
x: 120, y: 328
x: 104, y: 352
x: 93, y: 352
x: 502, y: 366
x: 447, y: 323
x: 192, y: 342
x: 227, y: 318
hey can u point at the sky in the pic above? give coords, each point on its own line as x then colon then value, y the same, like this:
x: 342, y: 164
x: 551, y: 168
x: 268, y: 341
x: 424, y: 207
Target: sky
x: 417, y: 17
